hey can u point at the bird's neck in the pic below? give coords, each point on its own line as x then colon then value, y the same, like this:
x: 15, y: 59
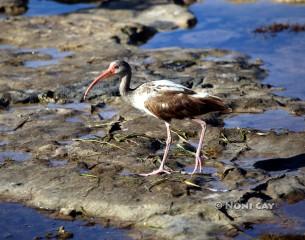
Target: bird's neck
x: 125, y: 85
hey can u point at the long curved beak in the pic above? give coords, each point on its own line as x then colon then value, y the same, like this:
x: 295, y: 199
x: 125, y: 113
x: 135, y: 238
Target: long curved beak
x: 106, y: 74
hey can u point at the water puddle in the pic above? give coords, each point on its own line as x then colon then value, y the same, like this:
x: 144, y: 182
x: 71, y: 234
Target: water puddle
x: 216, y: 186
x: 205, y: 170
x: 277, y: 120
x: 55, y: 55
x: 15, y: 156
x: 57, y: 163
x: 107, y: 113
x: 5, y: 46
x: 126, y: 172
x: 3, y: 143
x: 99, y: 134
x: 47, y: 7
x: 226, y: 58
x: 74, y: 120
x: 292, y: 222
x: 65, y: 142
x: 19, y: 222
x: 223, y: 24
x: 211, y: 181
x: 39, y: 57
x: 84, y: 107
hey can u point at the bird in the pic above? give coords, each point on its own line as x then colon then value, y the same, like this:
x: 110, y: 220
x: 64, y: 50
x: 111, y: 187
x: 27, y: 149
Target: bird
x: 164, y: 100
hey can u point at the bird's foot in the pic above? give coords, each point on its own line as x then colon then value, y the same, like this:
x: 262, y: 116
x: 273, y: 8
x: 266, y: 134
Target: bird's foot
x: 198, y: 163
x: 158, y: 171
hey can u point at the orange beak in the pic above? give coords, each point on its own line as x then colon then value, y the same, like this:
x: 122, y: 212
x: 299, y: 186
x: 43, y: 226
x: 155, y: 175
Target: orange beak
x: 106, y: 74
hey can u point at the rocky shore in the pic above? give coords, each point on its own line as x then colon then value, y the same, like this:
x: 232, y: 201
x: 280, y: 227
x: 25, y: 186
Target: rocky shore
x: 59, y: 154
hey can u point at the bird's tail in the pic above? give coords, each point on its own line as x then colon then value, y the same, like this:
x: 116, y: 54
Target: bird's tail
x: 216, y: 104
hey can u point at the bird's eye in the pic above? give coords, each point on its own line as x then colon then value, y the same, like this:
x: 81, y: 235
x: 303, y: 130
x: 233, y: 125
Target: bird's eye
x: 116, y: 67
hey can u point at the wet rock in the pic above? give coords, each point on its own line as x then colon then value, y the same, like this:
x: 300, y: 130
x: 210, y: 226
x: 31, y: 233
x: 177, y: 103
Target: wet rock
x: 235, y: 135
x: 178, y: 189
x: 66, y: 211
x: 174, y: 13
x: 280, y: 27
x: 233, y: 173
x: 178, y: 65
x: 19, y: 96
x: 13, y: 7
x: 47, y: 96
x: 284, y: 188
x: 137, y: 34
x: 63, y: 234
x: 250, y: 104
x: 5, y: 99
x: 234, y: 177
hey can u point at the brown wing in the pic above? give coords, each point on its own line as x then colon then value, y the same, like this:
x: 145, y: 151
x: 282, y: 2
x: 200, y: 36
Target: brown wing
x: 179, y: 105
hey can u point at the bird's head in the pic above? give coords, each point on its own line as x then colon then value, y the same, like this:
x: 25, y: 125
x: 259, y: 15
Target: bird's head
x: 116, y: 68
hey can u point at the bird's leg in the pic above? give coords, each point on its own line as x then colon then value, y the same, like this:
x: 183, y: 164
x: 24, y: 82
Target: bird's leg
x: 168, y: 143
x: 199, y: 157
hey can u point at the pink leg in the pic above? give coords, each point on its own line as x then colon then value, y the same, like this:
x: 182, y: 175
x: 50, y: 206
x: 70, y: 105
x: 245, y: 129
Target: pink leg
x: 168, y: 143
x: 199, y: 158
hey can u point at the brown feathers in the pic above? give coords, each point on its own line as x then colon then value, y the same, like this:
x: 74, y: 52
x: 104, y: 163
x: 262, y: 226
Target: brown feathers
x: 180, y: 105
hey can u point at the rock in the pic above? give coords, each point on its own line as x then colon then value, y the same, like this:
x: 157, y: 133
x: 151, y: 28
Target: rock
x: 13, y: 7
x: 235, y: 135
x: 178, y: 65
x: 136, y: 34
x: 288, y: 188
x: 19, y: 96
x: 5, y: 99
x: 169, y: 13
x: 66, y: 211
x: 63, y: 234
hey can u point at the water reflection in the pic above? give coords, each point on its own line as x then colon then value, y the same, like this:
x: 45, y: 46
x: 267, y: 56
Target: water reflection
x: 276, y: 120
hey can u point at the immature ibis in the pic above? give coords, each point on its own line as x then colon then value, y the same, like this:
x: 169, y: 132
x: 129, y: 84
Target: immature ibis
x: 164, y: 100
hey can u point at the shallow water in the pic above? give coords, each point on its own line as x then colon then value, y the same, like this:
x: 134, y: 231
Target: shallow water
x: 57, y: 163
x: 49, y: 7
x: 293, y: 223
x: 98, y: 134
x: 277, y: 120
x: 3, y: 143
x: 107, y: 113
x: 15, y: 156
x: 226, y: 25
x: 19, y: 222
x: 53, y: 52
x: 84, y: 107
x: 74, y: 120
